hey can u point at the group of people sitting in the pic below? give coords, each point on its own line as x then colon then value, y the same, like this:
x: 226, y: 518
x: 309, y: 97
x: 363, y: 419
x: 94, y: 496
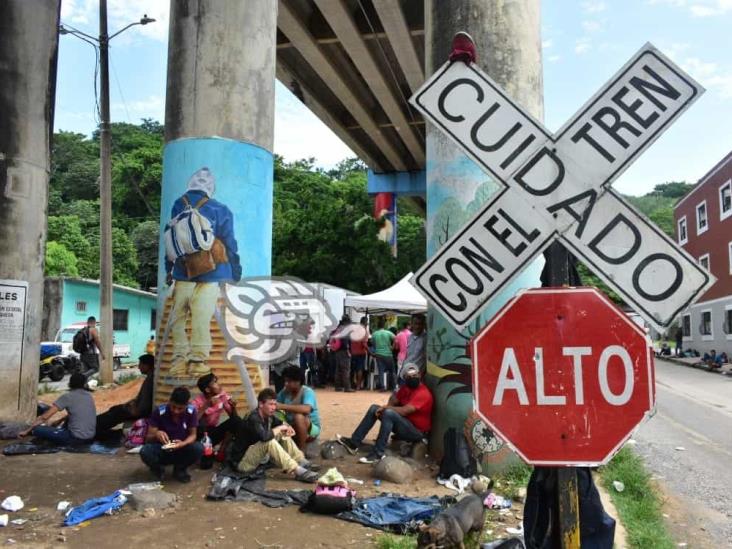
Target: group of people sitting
x: 277, y: 430
x: 713, y: 360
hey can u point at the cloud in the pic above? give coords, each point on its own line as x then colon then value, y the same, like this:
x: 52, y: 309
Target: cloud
x: 595, y: 6
x: 591, y: 26
x: 546, y: 44
x: 85, y: 15
x: 553, y: 58
x: 710, y: 76
x: 583, y: 45
x: 698, y: 8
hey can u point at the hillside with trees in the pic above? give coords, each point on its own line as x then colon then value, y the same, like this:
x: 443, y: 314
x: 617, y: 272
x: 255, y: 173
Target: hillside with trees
x: 322, y: 227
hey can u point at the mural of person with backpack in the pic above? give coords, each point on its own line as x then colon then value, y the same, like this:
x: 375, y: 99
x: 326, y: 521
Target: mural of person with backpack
x: 86, y: 342
x: 201, y: 252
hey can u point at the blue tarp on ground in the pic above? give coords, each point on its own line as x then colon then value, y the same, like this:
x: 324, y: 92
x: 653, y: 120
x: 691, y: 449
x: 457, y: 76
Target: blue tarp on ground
x: 95, y: 507
x: 395, y: 513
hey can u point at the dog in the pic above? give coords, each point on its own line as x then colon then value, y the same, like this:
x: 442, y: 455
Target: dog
x: 449, y: 528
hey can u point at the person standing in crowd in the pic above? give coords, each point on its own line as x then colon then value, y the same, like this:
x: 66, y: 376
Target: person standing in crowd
x: 340, y: 343
x: 417, y: 346
x: 401, y: 342
x: 139, y: 407
x: 89, y: 346
x: 383, y: 342
x: 359, y: 350
x: 150, y: 345
x: 80, y: 425
x: 679, y: 341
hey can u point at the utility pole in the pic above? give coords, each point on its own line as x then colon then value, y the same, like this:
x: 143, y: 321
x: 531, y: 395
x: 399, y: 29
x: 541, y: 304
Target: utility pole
x: 105, y: 205
x: 105, y: 184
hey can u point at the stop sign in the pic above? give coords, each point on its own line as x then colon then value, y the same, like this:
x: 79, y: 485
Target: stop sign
x: 563, y: 376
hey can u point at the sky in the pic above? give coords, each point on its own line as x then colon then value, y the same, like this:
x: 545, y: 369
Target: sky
x: 584, y: 42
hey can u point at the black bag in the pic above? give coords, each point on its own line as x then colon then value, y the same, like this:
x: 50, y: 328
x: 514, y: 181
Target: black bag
x: 80, y: 343
x: 457, y: 458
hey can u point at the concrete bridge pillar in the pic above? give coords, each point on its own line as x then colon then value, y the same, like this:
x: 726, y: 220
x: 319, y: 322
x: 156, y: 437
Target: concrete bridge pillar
x: 28, y: 53
x: 219, y: 131
x: 508, y: 41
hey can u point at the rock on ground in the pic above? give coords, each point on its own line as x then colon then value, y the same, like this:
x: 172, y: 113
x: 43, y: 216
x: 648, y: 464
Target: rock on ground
x: 394, y: 469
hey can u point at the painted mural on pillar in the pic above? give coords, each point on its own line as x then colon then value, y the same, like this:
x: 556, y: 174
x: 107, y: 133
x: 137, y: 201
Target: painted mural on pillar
x: 216, y: 227
x: 456, y: 189
x: 385, y: 210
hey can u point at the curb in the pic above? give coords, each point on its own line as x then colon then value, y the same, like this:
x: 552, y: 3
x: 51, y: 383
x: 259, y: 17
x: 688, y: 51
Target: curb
x: 726, y: 369
x: 621, y: 536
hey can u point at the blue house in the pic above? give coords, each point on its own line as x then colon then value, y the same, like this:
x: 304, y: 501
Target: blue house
x: 68, y: 302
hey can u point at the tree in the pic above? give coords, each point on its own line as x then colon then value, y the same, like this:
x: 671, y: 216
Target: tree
x: 145, y: 237
x: 124, y: 257
x: 672, y: 189
x: 67, y: 231
x: 60, y: 261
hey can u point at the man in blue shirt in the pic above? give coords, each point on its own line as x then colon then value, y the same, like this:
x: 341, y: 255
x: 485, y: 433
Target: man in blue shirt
x: 197, y: 277
x: 171, y: 437
x: 300, y: 406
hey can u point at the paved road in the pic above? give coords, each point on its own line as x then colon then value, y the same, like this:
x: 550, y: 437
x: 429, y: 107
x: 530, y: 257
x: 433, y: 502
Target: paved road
x: 688, y: 446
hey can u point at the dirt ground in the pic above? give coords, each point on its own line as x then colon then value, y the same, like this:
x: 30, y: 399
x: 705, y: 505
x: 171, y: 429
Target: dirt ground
x: 44, y: 480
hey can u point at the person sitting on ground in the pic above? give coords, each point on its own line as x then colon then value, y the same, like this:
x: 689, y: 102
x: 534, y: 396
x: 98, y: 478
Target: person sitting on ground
x: 80, y: 424
x: 138, y: 407
x: 171, y: 437
x: 210, y: 404
x: 408, y: 415
x: 712, y: 359
x: 300, y: 406
x: 263, y: 436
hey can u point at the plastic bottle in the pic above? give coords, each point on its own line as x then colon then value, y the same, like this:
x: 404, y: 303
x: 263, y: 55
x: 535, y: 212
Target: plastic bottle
x: 207, y: 459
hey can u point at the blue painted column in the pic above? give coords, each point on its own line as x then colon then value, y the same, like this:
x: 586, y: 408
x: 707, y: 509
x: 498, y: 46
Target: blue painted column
x: 219, y: 130
x: 507, y: 36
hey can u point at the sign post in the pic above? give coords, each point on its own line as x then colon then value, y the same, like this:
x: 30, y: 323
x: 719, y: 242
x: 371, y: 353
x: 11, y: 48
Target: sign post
x: 556, y: 197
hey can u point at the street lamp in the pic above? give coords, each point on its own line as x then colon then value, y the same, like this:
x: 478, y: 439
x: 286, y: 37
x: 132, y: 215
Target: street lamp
x: 105, y: 182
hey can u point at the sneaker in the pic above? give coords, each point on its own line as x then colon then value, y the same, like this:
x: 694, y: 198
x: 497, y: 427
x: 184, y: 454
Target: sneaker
x: 308, y: 477
x: 181, y: 475
x: 371, y: 458
x: 350, y: 446
x: 309, y: 465
x: 177, y: 368
x: 197, y: 368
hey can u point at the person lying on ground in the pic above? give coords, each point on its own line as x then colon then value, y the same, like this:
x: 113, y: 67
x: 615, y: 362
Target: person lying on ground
x: 299, y: 407
x: 210, y: 404
x: 262, y: 436
x: 171, y: 437
x: 138, y: 407
x: 80, y: 424
x: 408, y: 415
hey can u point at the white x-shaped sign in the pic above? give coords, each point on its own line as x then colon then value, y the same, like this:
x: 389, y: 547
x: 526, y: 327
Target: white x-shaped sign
x: 558, y: 187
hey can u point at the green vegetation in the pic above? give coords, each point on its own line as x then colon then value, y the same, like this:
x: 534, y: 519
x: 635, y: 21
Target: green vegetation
x: 126, y: 378
x: 392, y: 541
x: 323, y: 228
x: 638, y: 505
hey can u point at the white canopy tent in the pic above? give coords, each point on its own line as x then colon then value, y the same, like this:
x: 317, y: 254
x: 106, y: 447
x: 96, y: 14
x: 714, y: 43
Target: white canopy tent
x: 401, y: 298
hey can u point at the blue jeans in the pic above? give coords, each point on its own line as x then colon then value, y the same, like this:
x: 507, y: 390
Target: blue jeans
x: 154, y: 456
x: 391, y: 422
x: 57, y: 435
x: 385, y: 364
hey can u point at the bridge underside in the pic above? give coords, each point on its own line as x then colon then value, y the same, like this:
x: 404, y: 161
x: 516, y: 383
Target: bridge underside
x: 355, y: 63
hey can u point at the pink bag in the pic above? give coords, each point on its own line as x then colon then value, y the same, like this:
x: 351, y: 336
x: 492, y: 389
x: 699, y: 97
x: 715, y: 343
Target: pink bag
x: 137, y: 433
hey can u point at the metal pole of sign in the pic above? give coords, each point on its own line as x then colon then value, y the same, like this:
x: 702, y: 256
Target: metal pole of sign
x: 557, y: 259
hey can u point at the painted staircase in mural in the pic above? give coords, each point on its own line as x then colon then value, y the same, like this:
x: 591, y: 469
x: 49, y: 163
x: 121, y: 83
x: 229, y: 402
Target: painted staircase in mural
x: 229, y: 372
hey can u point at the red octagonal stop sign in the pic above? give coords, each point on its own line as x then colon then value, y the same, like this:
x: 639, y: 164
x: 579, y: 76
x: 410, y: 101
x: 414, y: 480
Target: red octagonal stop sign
x: 563, y: 376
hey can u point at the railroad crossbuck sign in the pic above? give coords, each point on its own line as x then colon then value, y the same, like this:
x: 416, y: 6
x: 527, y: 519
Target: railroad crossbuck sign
x: 573, y: 392
x: 558, y: 187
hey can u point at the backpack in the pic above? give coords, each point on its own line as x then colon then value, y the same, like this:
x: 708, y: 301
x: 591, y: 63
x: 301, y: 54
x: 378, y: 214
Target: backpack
x: 457, y: 458
x: 335, y: 343
x: 188, y: 232
x: 80, y: 343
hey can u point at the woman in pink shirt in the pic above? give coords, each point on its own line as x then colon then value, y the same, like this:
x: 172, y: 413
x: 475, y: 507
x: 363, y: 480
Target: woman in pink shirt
x: 400, y: 343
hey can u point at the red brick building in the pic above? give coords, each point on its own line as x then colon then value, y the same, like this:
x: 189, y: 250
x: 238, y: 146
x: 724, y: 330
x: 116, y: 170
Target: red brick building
x: 704, y: 229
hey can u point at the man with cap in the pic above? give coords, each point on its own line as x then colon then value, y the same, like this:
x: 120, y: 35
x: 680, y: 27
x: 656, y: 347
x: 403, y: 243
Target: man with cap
x: 408, y: 415
x: 197, y: 275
